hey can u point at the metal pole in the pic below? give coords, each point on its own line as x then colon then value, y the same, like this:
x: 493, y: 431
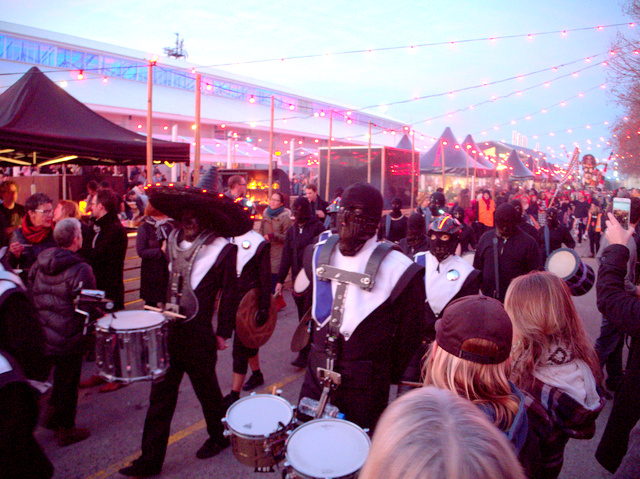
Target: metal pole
x: 271, y: 145
x: 326, y: 194
x: 413, y: 166
x: 196, y: 163
x: 149, y: 118
x: 369, y: 157
x: 442, y: 158
x: 291, y: 158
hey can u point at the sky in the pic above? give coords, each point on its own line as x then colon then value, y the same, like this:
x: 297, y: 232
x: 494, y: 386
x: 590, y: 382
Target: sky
x: 503, y: 79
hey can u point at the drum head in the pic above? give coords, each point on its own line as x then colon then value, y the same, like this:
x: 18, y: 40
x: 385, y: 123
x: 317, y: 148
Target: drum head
x: 327, y: 448
x: 563, y: 262
x: 259, y: 415
x: 128, y: 320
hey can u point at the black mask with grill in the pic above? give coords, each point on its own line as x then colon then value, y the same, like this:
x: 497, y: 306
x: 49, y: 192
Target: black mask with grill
x: 358, y: 217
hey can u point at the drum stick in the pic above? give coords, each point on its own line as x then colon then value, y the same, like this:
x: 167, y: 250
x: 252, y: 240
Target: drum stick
x: 411, y: 384
x: 166, y: 313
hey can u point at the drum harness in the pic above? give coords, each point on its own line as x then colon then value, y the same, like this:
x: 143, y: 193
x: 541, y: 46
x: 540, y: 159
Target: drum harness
x: 328, y: 376
x: 182, y: 298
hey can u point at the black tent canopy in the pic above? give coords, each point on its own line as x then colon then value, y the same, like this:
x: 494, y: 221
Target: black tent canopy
x: 517, y: 170
x: 40, y: 123
x: 448, y: 150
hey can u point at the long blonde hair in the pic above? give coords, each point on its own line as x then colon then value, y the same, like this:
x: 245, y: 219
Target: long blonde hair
x: 543, y: 315
x: 432, y: 433
x: 486, y: 385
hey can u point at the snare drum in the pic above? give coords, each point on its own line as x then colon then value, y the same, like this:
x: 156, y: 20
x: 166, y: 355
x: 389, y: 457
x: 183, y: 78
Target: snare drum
x: 468, y: 256
x: 258, y: 426
x: 566, y: 264
x: 326, y: 449
x: 131, y: 346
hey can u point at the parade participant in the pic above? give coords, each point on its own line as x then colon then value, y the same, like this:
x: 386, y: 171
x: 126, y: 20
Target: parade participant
x: 467, y: 236
x: 553, y: 361
x: 150, y: 245
x: 437, y: 203
x: 433, y: 433
x: 505, y: 253
x: 12, y: 212
x: 202, y: 264
x: 332, y: 210
x: 34, y: 235
x: 393, y: 226
x: 300, y: 235
x: 254, y: 272
x: 416, y: 240
x: 581, y: 213
x: 368, y: 304
x: 276, y: 220
x: 553, y: 235
x: 470, y: 357
x: 20, y: 454
x: 595, y: 227
x: 486, y: 209
x: 524, y: 224
x: 317, y: 205
x: 54, y: 280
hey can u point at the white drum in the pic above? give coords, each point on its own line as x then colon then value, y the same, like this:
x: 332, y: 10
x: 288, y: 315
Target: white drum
x: 258, y: 426
x: 326, y: 449
x: 468, y: 256
x: 131, y: 346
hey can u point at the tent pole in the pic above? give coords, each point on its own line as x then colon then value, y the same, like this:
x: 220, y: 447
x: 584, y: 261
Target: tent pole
x: 369, y: 157
x: 475, y: 173
x: 413, y: 166
x: 442, y: 147
x: 271, y: 146
x: 64, y: 182
x: 196, y: 163
x: 292, y: 153
x: 149, y: 118
x: 326, y: 192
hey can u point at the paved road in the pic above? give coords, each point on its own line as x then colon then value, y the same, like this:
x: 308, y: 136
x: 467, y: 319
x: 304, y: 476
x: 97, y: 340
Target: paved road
x: 116, y: 419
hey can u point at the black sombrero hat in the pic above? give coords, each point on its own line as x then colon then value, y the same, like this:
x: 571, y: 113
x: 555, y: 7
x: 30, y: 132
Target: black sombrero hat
x: 228, y: 217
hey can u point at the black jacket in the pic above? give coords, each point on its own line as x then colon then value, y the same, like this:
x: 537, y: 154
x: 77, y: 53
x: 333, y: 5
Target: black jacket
x: 295, y: 241
x: 516, y: 256
x: 154, y: 268
x: 106, y: 257
x: 54, y: 281
x: 622, y: 309
x: 558, y: 236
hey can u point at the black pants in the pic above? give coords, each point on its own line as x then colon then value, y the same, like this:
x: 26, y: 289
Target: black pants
x: 200, y: 364
x: 64, y: 394
x: 241, y: 355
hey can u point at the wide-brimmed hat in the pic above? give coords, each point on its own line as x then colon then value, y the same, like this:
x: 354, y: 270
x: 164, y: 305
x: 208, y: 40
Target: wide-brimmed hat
x: 227, y: 216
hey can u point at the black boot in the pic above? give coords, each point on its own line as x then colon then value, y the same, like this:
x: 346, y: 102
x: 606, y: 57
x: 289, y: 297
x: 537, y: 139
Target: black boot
x: 256, y: 379
x: 303, y: 357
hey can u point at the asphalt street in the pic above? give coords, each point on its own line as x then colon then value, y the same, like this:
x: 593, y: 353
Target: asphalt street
x: 116, y: 419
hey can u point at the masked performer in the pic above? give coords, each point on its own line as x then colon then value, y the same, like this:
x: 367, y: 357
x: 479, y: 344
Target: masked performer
x: 368, y: 305
x: 393, y: 226
x: 553, y: 235
x: 203, y: 262
x: 504, y: 253
x: 416, y: 240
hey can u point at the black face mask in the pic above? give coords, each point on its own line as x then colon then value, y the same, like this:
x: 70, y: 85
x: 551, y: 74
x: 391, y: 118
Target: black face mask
x: 552, y: 219
x: 355, y: 227
x: 191, y: 226
x: 396, y: 210
x: 441, y: 248
x: 301, y: 214
x: 506, y: 229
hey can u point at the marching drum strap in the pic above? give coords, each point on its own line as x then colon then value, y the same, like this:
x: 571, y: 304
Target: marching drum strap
x: 546, y: 239
x: 496, y: 266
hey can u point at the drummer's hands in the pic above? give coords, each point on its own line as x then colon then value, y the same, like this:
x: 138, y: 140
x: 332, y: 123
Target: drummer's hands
x: 222, y: 343
x: 16, y: 249
x: 278, y: 289
x: 615, y: 233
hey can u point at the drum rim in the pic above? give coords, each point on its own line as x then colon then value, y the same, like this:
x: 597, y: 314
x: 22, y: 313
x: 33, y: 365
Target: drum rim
x: 318, y: 421
x: 257, y: 436
x: 110, y: 328
x: 576, y: 267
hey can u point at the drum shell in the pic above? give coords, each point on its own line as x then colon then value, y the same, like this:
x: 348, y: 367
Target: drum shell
x: 260, y: 450
x: 341, y: 426
x: 129, y: 355
x: 581, y: 277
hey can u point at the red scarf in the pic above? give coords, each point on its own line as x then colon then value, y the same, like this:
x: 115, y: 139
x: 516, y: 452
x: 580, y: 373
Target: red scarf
x: 487, y: 202
x: 34, y: 234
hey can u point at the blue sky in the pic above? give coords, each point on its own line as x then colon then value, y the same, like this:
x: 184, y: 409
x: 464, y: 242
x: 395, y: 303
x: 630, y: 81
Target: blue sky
x: 218, y: 33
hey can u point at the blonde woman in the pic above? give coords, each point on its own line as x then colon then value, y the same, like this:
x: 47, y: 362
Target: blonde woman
x: 470, y: 357
x: 554, y: 362
x: 433, y: 433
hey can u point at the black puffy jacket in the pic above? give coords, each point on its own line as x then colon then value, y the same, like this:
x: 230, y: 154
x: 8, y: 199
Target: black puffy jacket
x: 54, y: 280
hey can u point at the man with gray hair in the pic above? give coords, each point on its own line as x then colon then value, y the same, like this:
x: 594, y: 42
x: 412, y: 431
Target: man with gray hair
x: 54, y: 279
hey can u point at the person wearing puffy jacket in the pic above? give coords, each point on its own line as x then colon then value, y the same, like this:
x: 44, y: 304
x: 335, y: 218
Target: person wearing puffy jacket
x: 54, y: 279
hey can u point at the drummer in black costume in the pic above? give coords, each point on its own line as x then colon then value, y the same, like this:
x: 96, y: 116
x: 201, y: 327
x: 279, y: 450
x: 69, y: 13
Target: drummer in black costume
x: 447, y: 277
x: 553, y: 235
x: 368, y: 306
x: 203, y: 262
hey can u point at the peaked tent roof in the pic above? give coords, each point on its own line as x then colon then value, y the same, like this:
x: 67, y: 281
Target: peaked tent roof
x: 517, y: 170
x: 455, y: 160
x: 36, y: 115
x: 482, y: 160
x: 405, y: 143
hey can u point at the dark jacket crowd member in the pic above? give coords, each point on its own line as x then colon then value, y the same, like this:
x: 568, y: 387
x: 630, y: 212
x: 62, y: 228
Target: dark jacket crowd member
x: 317, y: 205
x: 34, y: 235
x: 516, y: 253
x: 253, y: 268
x: 300, y: 235
x: 54, y: 281
x: 393, y: 226
x: 467, y: 235
x: 369, y: 299
x: 623, y: 310
x: 553, y: 235
x: 150, y: 245
x: 523, y: 224
x: 20, y: 454
x: 416, y: 240
x: 12, y: 212
x: 276, y: 220
x: 109, y: 247
x: 203, y: 263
